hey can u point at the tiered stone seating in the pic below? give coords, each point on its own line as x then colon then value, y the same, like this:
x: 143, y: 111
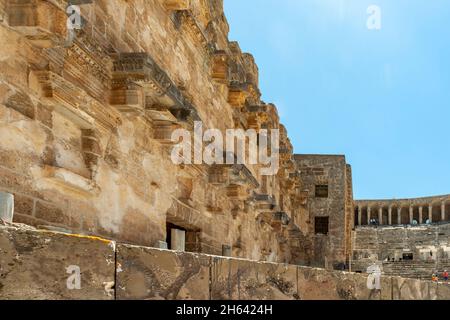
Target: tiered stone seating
x: 410, y: 269
x: 380, y: 244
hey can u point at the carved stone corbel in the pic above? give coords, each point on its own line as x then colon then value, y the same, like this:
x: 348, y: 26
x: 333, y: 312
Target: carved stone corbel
x: 74, y: 104
x: 176, y: 5
x: 219, y: 67
x: 132, y: 71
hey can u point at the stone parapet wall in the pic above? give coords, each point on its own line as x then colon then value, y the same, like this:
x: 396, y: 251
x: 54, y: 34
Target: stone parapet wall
x: 38, y: 264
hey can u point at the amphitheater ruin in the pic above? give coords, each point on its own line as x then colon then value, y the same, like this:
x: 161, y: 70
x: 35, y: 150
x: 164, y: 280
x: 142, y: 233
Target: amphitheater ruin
x: 86, y: 122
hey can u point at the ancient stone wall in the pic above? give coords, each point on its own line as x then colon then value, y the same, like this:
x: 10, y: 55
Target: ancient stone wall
x: 47, y: 265
x: 413, y: 251
x: 86, y: 118
x: 327, y: 194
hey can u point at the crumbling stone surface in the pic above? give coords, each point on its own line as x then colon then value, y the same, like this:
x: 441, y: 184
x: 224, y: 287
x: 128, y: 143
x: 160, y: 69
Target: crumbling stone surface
x: 35, y: 265
x: 144, y: 273
x: 234, y: 279
x: 413, y: 289
x: 319, y: 284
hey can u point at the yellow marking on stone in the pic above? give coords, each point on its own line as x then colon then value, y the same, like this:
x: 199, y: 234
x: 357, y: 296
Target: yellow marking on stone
x: 79, y: 236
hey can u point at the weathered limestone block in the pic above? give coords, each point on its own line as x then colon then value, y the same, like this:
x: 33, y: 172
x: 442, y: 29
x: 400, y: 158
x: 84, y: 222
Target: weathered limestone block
x: 144, y: 273
x: 163, y: 131
x: 177, y: 4
x: 69, y: 181
x: 40, y: 21
x: 320, y: 284
x: 234, y: 279
x: 44, y: 265
x: 2, y: 10
x: 443, y: 291
x: 236, y: 95
x: 413, y: 289
x: 219, y: 69
x: 127, y: 97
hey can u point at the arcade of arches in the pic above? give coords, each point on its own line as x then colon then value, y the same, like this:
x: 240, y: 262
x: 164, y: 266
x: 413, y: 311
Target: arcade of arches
x: 402, y: 212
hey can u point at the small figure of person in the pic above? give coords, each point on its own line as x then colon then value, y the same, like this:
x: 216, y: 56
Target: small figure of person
x: 445, y: 275
x: 434, y: 278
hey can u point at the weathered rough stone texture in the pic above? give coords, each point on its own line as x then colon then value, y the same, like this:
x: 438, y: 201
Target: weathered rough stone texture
x: 234, y: 279
x: 144, y: 273
x: 33, y: 265
x: 320, y: 284
x: 412, y: 289
x: 443, y: 291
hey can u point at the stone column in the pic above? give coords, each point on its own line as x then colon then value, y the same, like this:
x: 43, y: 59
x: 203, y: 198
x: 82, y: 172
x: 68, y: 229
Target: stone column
x: 420, y: 215
x: 178, y: 242
x: 226, y: 250
x: 443, y: 215
x: 399, y: 215
x: 359, y: 216
x: 380, y: 216
x: 368, y: 215
x: 411, y: 214
x: 390, y: 216
x: 430, y: 213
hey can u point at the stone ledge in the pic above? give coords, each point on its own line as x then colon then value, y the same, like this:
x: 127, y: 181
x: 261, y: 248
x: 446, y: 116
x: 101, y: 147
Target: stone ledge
x: 37, y: 265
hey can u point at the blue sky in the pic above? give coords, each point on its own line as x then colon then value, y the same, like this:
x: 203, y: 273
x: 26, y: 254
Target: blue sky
x: 381, y: 97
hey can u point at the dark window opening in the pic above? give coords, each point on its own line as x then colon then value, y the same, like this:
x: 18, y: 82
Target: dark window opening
x: 322, y: 191
x: 408, y: 257
x: 188, y: 239
x: 169, y: 228
x: 321, y: 225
